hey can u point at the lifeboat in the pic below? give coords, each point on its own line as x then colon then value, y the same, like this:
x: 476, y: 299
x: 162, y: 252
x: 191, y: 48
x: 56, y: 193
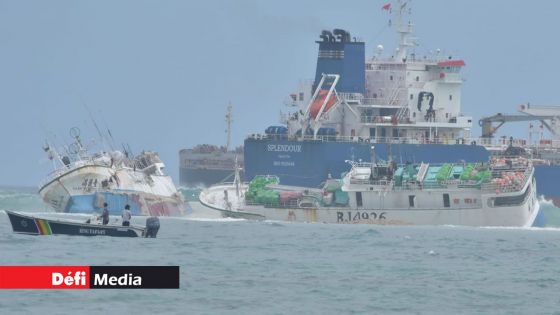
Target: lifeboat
x: 318, y: 102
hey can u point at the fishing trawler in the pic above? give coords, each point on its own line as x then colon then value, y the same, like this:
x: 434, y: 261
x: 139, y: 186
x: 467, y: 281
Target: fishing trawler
x: 499, y: 193
x: 82, y: 182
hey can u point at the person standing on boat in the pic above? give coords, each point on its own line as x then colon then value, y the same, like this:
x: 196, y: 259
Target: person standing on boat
x: 105, y: 214
x: 126, y: 216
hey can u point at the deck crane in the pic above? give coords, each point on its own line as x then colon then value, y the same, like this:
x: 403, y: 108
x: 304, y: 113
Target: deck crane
x: 549, y: 116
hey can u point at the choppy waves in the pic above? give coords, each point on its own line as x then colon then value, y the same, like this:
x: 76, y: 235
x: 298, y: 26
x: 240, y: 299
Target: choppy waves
x: 254, y: 267
x: 23, y: 199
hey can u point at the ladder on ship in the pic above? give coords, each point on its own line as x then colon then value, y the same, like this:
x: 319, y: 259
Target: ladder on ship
x: 422, y: 171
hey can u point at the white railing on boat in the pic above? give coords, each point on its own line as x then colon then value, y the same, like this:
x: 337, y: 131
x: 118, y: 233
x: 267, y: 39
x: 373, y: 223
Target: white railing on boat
x: 384, y: 185
x: 497, y: 143
x: 65, y: 169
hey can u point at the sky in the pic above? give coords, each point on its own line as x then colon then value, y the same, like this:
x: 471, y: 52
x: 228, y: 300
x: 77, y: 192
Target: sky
x: 160, y: 74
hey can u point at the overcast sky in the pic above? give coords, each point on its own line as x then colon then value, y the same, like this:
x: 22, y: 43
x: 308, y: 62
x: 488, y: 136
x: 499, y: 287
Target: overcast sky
x: 160, y: 74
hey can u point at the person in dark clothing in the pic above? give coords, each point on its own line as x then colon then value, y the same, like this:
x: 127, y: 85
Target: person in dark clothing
x: 105, y: 214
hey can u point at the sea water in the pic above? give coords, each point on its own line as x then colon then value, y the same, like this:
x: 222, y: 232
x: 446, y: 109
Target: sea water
x: 246, y: 267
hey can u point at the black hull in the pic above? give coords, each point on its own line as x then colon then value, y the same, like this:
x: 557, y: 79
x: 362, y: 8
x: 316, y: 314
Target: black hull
x: 37, y: 226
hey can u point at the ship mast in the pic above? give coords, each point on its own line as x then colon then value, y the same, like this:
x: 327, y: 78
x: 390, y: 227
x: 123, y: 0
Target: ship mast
x: 229, y: 120
x: 405, y: 31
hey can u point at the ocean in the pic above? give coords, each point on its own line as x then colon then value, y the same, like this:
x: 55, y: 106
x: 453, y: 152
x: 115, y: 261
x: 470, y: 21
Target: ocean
x: 231, y: 266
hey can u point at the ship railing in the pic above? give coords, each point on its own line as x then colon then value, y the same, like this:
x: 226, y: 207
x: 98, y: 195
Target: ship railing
x: 294, y: 203
x: 382, y: 102
x: 487, y: 142
x: 357, y: 139
x: 493, y: 187
x: 503, y: 142
x: 379, y: 101
x: 370, y: 182
x: 451, y: 185
x: 332, y: 138
x: 351, y: 96
x: 65, y: 169
x: 377, y: 119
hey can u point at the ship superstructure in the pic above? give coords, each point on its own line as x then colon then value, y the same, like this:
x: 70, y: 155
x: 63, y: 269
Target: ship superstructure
x: 407, y: 104
x: 395, y: 97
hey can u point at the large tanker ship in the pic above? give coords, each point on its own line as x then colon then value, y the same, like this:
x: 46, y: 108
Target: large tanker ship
x: 406, y: 105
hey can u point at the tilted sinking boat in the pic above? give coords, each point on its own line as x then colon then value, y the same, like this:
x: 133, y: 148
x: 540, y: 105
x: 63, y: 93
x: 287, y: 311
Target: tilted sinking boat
x: 83, y: 182
x: 499, y: 193
x: 29, y: 224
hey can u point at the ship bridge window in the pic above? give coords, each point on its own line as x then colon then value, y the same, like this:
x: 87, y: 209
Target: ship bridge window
x: 411, y: 96
x: 411, y: 201
x: 417, y: 78
x: 450, y: 97
x: 391, y: 78
x: 301, y: 96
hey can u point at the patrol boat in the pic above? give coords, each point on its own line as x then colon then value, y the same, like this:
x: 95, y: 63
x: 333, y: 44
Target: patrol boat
x: 83, y: 182
x: 33, y: 225
x: 499, y: 193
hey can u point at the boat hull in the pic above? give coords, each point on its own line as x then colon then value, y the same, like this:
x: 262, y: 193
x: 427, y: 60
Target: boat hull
x: 80, y: 191
x: 525, y: 214
x: 38, y: 226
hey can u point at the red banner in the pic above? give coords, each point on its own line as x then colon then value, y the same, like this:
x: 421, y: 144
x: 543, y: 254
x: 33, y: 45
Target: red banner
x: 44, y: 277
x: 89, y: 277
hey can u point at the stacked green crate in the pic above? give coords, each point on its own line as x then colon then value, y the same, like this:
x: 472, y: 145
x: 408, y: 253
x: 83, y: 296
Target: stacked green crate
x: 259, y: 192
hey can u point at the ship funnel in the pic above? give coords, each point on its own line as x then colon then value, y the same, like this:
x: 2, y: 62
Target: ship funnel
x: 339, y: 55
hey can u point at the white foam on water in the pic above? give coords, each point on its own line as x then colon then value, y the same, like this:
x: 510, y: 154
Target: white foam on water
x: 216, y: 220
x: 199, y: 186
x: 208, y: 219
x: 544, y: 202
x: 531, y: 228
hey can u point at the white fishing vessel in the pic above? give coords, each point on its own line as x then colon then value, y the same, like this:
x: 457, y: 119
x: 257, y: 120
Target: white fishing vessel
x: 82, y: 183
x: 499, y: 193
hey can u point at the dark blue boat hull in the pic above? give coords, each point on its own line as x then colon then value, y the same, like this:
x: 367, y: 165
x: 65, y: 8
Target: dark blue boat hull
x: 37, y: 226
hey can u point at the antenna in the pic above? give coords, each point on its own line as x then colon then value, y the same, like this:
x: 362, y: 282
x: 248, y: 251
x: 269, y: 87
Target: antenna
x: 405, y: 31
x: 95, y: 125
x: 229, y: 120
x: 112, y: 140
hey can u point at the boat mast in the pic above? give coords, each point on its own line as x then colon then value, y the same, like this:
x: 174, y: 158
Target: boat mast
x: 52, y: 154
x: 229, y: 120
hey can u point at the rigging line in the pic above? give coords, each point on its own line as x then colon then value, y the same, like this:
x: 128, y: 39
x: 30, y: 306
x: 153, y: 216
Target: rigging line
x: 111, y: 139
x: 94, y: 124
